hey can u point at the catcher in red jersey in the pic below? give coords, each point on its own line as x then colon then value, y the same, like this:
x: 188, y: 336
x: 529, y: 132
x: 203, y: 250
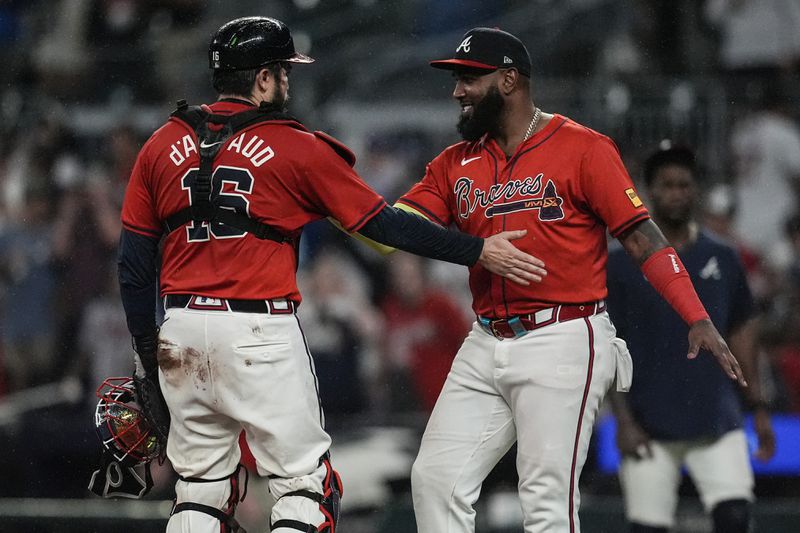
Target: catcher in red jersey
x: 228, y: 188
x: 539, y: 358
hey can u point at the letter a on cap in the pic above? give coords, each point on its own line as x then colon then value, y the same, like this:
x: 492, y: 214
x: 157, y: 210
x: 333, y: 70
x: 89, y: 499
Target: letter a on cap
x: 464, y: 45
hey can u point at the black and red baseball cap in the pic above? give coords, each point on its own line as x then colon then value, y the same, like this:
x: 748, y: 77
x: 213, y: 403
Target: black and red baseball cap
x: 488, y: 49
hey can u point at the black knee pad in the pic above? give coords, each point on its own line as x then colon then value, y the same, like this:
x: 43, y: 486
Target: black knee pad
x: 731, y: 516
x: 641, y: 528
x: 225, y: 515
x: 329, y: 502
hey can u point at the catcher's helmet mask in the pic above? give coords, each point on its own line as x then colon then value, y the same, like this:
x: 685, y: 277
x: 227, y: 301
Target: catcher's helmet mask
x: 121, y: 424
x: 252, y: 42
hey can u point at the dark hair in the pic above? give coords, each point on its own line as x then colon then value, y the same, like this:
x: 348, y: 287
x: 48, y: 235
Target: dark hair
x: 669, y: 154
x: 240, y: 82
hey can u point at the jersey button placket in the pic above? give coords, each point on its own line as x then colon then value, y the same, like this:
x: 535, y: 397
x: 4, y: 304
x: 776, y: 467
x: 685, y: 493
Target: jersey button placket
x: 498, y: 224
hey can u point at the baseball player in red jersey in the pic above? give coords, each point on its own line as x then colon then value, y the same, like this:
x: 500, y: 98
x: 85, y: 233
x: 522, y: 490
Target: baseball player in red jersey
x: 228, y: 187
x: 539, y: 358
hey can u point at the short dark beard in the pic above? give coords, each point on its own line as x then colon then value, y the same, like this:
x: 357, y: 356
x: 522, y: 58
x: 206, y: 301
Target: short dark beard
x: 486, y: 117
x: 280, y: 101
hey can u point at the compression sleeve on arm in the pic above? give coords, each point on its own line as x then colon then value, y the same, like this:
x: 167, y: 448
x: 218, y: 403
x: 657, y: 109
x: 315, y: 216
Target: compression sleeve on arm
x: 136, y: 264
x: 378, y: 247
x: 412, y: 233
x: 666, y: 273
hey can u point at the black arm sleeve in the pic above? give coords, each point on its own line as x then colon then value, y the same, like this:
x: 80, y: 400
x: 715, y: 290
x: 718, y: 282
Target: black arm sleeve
x: 412, y: 233
x: 136, y: 263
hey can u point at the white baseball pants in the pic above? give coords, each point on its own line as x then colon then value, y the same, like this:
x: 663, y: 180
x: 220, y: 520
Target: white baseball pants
x: 720, y: 469
x: 542, y: 390
x: 222, y: 372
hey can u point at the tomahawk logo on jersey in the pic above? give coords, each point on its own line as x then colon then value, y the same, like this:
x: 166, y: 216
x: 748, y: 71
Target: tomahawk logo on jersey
x: 560, y: 197
x: 547, y: 201
x: 251, y: 177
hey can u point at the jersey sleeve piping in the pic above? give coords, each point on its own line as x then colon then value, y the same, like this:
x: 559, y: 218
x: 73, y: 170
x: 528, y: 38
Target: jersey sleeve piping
x: 155, y: 233
x: 363, y: 220
x: 409, y: 209
x: 627, y: 224
x: 422, y: 210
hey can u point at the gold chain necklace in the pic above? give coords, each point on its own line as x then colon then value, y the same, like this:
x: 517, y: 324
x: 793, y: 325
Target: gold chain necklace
x: 534, y: 121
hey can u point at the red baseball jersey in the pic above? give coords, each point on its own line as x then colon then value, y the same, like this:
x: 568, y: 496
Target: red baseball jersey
x: 277, y: 172
x: 566, y: 185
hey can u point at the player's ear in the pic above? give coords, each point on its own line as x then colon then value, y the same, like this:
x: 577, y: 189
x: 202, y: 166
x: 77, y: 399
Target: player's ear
x: 509, y: 80
x: 264, y: 80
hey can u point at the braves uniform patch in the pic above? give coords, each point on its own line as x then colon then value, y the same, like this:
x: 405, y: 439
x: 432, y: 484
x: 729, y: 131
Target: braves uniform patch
x: 633, y: 197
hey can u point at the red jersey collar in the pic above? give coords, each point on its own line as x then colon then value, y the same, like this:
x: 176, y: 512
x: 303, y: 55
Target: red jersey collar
x: 231, y: 105
x: 489, y: 143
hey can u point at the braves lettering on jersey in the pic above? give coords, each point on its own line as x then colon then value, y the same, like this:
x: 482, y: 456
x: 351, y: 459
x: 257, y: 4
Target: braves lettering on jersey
x: 565, y: 186
x: 276, y: 172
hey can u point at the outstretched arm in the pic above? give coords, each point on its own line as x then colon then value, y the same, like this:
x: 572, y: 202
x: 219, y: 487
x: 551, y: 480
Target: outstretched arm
x: 412, y: 233
x: 662, y: 267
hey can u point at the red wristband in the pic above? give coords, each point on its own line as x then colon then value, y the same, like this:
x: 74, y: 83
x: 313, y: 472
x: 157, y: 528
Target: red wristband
x: 666, y: 273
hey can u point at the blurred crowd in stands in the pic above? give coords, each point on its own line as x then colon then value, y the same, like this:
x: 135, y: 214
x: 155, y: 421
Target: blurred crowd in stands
x: 81, y: 76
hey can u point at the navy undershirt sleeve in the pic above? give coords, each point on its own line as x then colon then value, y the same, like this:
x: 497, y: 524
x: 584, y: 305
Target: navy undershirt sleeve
x: 412, y: 233
x: 138, y: 279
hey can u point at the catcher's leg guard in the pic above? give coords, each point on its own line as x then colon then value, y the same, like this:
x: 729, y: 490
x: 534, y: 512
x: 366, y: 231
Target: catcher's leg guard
x: 202, y: 504
x: 307, y: 503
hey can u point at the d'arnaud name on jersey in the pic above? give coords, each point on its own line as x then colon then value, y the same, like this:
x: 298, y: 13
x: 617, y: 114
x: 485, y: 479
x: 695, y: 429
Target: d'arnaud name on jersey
x: 547, y: 201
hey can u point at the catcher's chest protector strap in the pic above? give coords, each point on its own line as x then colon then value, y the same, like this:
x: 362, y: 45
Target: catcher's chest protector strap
x: 212, y: 132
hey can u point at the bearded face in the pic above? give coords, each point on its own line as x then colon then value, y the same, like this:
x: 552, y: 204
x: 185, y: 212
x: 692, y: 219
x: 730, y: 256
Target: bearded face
x: 482, y: 116
x: 280, y: 95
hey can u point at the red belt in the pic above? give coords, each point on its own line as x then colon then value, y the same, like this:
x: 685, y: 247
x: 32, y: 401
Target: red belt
x: 517, y: 326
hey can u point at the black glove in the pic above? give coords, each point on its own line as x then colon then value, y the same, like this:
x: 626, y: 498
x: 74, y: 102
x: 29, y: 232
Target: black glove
x: 146, y: 346
x: 148, y: 389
